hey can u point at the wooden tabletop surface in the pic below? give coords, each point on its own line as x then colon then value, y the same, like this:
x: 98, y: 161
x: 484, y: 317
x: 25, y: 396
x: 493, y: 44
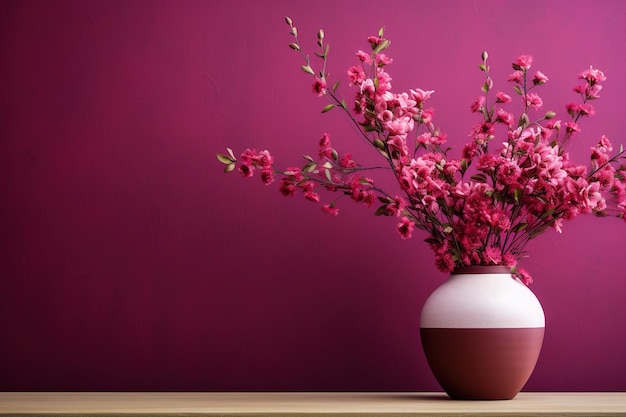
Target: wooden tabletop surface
x: 303, y: 404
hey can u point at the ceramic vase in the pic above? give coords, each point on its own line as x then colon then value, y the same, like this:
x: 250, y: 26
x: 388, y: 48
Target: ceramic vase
x: 482, y: 332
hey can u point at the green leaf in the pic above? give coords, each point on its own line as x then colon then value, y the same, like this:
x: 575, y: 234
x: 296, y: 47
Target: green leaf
x: 482, y: 67
x: 517, y: 89
x: 294, y: 46
x: 232, y: 155
x: 517, y: 194
x: 520, y: 227
x: 485, y: 87
x: 229, y: 167
x: 335, y: 86
x: 224, y: 159
x: 382, y: 46
x: 328, y: 108
x: 308, y: 158
x: 327, y: 165
x: 479, y: 177
x: 381, y: 31
x: 327, y: 172
x: 381, y: 211
x: 309, y: 167
x: 308, y: 69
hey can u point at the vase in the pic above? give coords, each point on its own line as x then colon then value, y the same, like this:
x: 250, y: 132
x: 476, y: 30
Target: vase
x: 482, y: 332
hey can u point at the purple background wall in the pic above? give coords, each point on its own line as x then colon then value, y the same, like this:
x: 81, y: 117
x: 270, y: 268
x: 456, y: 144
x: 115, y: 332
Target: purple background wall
x: 129, y: 261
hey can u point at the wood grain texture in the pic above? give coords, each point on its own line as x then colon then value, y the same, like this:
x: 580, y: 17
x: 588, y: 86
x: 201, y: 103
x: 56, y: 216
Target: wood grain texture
x: 305, y: 404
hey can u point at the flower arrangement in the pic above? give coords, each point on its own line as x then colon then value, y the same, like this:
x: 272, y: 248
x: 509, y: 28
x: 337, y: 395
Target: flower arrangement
x: 510, y: 183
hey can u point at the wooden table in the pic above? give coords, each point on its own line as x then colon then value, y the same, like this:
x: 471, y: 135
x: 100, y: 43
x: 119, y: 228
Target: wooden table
x: 304, y: 404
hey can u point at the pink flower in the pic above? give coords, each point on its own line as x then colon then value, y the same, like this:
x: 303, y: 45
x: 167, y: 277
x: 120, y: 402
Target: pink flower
x: 287, y: 188
x: 395, y: 207
x: 572, y: 127
x: 523, y: 276
x: 356, y: 75
x: 605, y: 144
x: 533, y: 101
x: 478, y: 104
x: 420, y: 96
x: 539, y: 78
x: 330, y: 209
x: 267, y: 176
x: 592, y: 76
x: 382, y: 59
x: 265, y: 160
x: 347, y: 162
x: 364, y: 57
x: 505, y: 117
x: 246, y: 169
x: 312, y: 196
x: 319, y: 86
x: 405, y: 228
x: 523, y: 62
x: 516, y: 77
x: 502, y: 98
x: 492, y: 255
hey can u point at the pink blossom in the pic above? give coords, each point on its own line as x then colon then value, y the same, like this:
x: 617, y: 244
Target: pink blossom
x: 395, y: 207
x: 572, y: 127
x: 374, y: 41
x: 312, y: 196
x: 356, y: 75
x: 382, y: 59
x: 420, y: 96
x: 533, y: 101
x: 502, y: 97
x: 330, y: 209
x: 523, y: 62
x: 492, y: 255
x: 516, y: 76
x: 540, y: 78
x: 287, y: 188
x: 267, y: 176
x: 364, y: 57
x: 523, y: 276
x: 508, y: 173
x: 592, y: 75
x: 347, y: 162
x: 319, y: 86
x: 405, y: 228
x: 478, y: 104
x: 265, y: 159
x: 246, y: 169
x: 605, y: 144
x: 505, y: 117
x: 426, y: 115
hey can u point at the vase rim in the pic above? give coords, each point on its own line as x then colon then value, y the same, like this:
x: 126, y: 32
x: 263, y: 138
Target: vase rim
x: 482, y: 269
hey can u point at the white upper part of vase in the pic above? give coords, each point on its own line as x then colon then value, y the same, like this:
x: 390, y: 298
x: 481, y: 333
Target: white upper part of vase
x: 482, y: 301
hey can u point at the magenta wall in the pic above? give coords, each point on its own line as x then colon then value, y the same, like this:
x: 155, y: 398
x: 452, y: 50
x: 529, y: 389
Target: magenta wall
x: 129, y: 261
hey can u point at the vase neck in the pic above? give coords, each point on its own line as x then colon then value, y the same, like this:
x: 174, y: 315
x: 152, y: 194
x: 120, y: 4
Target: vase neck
x: 482, y: 269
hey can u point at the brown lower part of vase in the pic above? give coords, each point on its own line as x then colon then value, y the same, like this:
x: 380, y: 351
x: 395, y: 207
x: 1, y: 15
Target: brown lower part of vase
x: 482, y: 364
